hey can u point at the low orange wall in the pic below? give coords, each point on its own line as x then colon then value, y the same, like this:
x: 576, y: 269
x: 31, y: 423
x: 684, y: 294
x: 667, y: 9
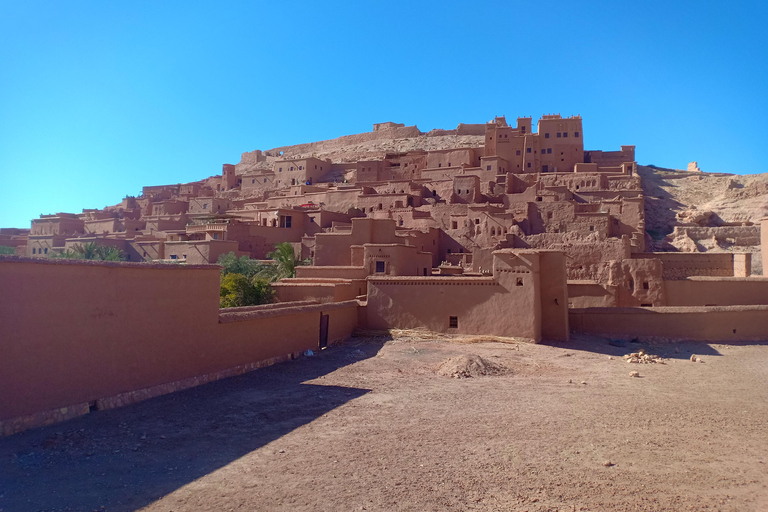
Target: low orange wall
x: 74, y: 332
x: 726, y: 323
x: 714, y: 291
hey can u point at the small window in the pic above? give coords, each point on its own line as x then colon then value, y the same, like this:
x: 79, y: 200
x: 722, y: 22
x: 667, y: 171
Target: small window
x: 591, y: 228
x: 379, y: 267
x: 651, y: 305
x: 454, y: 225
x: 565, y: 134
x: 280, y: 170
x: 488, y: 168
x: 453, y: 322
x: 449, y: 164
x: 544, y: 168
x: 519, y: 281
x: 529, y: 164
x: 517, y: 152
x: 559, y: 135
x: 34, y: 251
x: 575, y: 134
x: 549, y: 151
x: 646, y: 285
x: 549, y: 215
x: 538, y: 198
x: 439, y: 165
x: 205, y: 206
x: 546, y: 135
x: 215, y: 236
x: 265, y: 180
x: 477, y: 221
x: 253, y: 181
x: 173, y: 256
x: 527, y: 150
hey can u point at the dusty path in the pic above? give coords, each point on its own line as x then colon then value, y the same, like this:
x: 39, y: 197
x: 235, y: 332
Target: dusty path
x: 370, y: 425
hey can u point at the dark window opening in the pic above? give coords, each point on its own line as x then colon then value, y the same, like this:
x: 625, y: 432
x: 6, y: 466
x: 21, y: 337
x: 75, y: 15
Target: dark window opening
x: 575, y: 134
x: 565, y: 134
x: 646, y: 305
x: 527, y: 150
x: 544, y: 168
x: 488, y: 168
x: 519, y: 281
x: 453, y: 322
x: 546, y: 135
x: 538, y: 198
x: 454, y: 225
x: 646, y: 285
x: 379, y: 267
x: 559, y: 135
x: 517, y: 152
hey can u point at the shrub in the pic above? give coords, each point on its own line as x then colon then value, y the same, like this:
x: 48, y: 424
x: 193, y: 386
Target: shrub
x: 237, y: 291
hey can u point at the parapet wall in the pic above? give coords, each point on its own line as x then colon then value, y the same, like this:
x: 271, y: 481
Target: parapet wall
x: 76, y: 334
x: 680, y: 265
x: 726, y: 323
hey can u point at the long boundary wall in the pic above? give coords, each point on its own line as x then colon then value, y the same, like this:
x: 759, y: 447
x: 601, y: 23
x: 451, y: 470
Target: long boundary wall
x: 723, y: 323
x: 78, y: 335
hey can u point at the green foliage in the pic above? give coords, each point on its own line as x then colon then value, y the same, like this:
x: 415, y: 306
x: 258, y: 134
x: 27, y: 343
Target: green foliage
x: 91, y: 251
x: 244, y: 265
x: 6, y: 250
x: 285, y: 263
x: 237, y: 291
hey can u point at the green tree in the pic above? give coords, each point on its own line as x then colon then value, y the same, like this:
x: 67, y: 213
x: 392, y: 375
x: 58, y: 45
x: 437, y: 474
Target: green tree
x: 285, y: 263
x: 244, y: 265
x: 91, y: 251
x: 237, y: 291
x: 7, y: 250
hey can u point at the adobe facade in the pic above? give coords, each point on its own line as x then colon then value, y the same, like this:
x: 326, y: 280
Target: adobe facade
x: 526, y: 234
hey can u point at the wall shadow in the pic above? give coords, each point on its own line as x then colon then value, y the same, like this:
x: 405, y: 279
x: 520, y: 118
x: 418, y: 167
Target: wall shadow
x: 124, y: 459
x: 615, y: 347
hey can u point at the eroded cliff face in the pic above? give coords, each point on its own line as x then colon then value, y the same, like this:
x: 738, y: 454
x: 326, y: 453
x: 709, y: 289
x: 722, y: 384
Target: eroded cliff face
x: 704, y: 212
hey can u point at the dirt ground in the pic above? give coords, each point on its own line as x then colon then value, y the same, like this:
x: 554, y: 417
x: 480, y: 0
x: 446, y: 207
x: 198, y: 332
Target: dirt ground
x: 380, y: 424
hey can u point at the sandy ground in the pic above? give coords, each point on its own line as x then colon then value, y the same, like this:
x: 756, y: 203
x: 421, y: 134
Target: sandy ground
x: 371, y: 425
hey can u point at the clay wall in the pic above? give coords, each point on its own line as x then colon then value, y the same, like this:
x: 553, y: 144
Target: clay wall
x: 130, y: 327
x: 169, y: 207
x: 679, y: 265
x: 723, y: 323
x: 463, y: 157
x: 169, y: 223
x: 466, y: 189
x: 208, y: 205
x: 610, y: 158
x: 200, y: 252
x: 60, y: 224
x: 333, y: 248
x: 764, y: 244
x: 396, y: 260
x: 508, y: 304
x: 717, y: 291
x: 591, y: 294
x: 40, y: 246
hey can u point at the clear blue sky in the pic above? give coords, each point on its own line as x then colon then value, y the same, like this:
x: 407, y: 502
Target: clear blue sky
x: 100, y: 98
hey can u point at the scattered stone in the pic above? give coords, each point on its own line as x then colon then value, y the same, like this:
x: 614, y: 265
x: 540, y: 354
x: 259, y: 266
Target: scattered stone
x: 634, y: 374
x: 471, y: 365
x: 693, y: 358
x: 610, y: 357
x: 642, y: 357
x: 608, y: 464
x: 584, y: 382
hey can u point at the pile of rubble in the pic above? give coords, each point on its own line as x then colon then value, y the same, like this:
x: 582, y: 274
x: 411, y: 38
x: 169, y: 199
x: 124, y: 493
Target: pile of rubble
x: 642, y: 357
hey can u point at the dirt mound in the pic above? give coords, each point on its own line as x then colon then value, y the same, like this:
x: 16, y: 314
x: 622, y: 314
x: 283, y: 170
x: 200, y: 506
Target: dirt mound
x: 469, y: 365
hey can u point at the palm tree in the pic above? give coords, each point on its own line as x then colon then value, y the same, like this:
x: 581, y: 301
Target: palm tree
x: 285, y: 262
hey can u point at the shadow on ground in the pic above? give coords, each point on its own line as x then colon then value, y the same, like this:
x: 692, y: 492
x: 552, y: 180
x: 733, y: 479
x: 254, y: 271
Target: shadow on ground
x: 124, y: 459
x: 618, y: 348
